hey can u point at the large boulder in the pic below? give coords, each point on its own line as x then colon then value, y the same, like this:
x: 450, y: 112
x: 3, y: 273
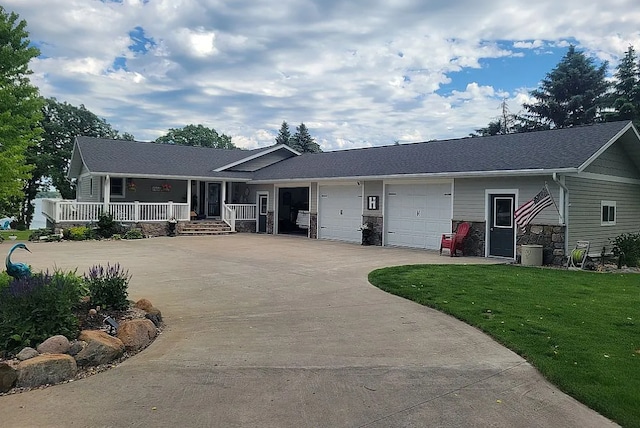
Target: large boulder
x: 136, y: 334
x: 8, y: 376
x: 101, y: 348
x: 54, y: 345
x: 46, y: 368
x: 154, y: 315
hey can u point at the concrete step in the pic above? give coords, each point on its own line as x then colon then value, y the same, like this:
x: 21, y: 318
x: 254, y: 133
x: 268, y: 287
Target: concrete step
x: 205, y: 227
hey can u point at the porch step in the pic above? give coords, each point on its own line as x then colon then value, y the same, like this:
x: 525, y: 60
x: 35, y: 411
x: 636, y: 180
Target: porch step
x: 205, y: 227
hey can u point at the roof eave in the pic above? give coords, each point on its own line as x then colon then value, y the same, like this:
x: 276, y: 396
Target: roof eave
x: 169, y: 176
x: 459, y: 174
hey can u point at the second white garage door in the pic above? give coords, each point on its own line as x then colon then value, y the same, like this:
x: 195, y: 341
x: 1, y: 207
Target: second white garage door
x: 417, y: 214
x: 340, y: 213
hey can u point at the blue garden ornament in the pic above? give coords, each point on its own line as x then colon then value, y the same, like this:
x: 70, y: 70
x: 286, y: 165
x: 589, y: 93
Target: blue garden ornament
x: 17, y: 270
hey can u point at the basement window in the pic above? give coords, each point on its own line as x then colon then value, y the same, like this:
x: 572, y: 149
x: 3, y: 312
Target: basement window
x: 608, y: 210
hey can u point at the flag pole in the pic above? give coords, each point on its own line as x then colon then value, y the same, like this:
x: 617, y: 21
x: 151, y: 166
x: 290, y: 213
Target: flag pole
x: 552, y: 200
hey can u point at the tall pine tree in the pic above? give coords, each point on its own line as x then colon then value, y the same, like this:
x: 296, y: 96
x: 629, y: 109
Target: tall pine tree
x: 303, y: 142
x: 284, y: 135
x: 573, y: 93
x: 625, y: 99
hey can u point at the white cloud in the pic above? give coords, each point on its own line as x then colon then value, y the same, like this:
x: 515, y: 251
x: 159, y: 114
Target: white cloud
x: 357, y: 73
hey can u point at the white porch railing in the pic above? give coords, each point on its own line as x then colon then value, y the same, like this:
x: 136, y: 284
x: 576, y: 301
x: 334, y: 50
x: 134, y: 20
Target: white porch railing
x: 233, y: 212
x: 66, y: 211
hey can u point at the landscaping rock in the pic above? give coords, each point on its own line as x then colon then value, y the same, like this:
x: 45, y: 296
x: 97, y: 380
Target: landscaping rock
x: 54, y: 345
x: 136, y: 334
x: 45, y: 369
x: 76, y: 347
x: 144, y: 304
x: 27, y: 353
x: 8, y: 376
x: 101, y: 348
x: 155, y: 316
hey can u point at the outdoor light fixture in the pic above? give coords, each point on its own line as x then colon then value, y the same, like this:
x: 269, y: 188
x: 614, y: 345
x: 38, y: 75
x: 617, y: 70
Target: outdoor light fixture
x: 112, y: 324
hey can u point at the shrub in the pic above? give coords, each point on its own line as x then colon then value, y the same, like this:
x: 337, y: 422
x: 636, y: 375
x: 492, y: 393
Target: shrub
x: 107, y: 226
x: 133, y: 234
x: 37, y: 307
x: 78, y: 233
x: 627, y: 248
x: 108, y: 286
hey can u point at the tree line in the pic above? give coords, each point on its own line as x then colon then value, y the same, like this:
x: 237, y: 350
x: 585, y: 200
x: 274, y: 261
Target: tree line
x: 574, y: 93
x: 37, y: 134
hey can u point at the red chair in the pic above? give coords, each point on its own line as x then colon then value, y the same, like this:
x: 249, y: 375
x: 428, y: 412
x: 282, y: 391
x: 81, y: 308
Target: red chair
x: 455, y: 241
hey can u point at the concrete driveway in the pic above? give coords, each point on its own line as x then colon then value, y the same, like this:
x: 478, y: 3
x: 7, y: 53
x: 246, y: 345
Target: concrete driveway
x: 270, y: 331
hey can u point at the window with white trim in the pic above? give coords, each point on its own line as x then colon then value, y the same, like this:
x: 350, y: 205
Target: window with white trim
x: 117, y: 186
x: 608, y: 213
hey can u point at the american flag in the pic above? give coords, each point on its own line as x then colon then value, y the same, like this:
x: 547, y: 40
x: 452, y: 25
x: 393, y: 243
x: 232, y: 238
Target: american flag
x: 529, y: 210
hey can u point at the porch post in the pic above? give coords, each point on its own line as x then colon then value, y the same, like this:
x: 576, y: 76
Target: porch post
x: 189, y: 199
x: 224, y: 193
x: 106, y: 194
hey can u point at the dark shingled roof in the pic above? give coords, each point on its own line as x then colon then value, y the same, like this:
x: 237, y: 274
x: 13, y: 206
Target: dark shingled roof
x: 549, y: 150
x: 133, y: 157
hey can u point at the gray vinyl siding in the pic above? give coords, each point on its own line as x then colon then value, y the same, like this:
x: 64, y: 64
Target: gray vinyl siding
x: 262, y: 188
x: 88, y: 189
x: 585, y: 214
x: 469, y: 200
x: 373, y: 188
x: 614, y: 161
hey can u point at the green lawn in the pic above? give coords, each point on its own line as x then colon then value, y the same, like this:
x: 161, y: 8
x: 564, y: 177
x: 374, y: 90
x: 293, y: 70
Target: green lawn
x: 23, y: 235
x: 580, y: 329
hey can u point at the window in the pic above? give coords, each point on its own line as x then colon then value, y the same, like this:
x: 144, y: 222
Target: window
x: 503, y: 212
x: 608, y: 210
x: 91, y: 186
x: 117, y: 186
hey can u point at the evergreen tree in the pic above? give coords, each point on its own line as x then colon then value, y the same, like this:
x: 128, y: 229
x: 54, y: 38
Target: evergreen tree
x: 625, y: 99
x: 284, y: 135
x: 19, y: 110
x: 571, y: 94
x: 303, y: 142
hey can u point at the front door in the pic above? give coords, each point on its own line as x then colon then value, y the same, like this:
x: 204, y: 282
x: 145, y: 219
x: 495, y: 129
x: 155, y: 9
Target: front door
x: 213, y: 199
x: 263, y: 206
x: 502, y: 226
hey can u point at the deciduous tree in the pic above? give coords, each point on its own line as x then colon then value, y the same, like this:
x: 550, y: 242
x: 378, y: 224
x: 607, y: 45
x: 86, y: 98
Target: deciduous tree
x: 198, y: 136
x: 19, y: 109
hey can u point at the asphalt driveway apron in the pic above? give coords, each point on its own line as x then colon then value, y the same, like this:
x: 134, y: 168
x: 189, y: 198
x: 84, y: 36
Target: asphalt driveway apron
x: 267, y: 331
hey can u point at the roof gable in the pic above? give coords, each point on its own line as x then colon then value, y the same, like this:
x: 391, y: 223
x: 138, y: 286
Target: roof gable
x: 261, y: 159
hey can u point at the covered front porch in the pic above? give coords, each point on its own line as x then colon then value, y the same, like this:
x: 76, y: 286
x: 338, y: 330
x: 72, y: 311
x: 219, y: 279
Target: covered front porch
x: 148, y: 200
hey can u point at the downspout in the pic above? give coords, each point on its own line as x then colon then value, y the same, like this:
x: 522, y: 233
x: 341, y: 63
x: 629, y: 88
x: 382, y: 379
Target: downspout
x: 564, y: 195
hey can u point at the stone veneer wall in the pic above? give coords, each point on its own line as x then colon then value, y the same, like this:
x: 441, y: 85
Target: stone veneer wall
x: 552, y: 239
x: 474, y: 245
x: 313, y: 225
x: 377, y: 225
x: 270, y: 222
x: 157, y: 229
x: 246, y: 226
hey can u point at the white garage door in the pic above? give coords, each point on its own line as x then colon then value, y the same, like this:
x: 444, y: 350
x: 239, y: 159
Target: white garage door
x: 340, y: 213
x: 417, y: 214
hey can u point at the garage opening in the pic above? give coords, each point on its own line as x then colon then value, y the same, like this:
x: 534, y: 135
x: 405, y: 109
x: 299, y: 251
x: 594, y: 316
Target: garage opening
x: 293, y: 211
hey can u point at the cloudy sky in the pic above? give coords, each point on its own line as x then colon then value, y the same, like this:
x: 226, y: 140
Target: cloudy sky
x: 356, y: 72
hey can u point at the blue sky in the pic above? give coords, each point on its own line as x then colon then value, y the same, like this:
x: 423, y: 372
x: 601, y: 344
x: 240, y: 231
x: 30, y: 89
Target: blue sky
x: 357, y: 73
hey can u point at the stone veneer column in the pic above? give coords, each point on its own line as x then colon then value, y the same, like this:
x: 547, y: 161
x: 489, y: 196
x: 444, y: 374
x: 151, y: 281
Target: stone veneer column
x: 376, y: 223
x: 475, y: 242
x: 270, y: 222
x: 551, y: 237
x: 313, y: 225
